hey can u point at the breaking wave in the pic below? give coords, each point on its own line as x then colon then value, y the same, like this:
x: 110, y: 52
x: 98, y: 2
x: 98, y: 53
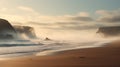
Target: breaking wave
x: 19, y: 48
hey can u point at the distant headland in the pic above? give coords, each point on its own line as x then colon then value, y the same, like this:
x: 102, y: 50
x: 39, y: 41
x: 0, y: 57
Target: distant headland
x: 8, y: 31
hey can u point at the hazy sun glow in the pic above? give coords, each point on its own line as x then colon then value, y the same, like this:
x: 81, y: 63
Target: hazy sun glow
x: 63, y: 15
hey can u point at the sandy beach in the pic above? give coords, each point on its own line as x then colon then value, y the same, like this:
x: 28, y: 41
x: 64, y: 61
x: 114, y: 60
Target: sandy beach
x: 107, y: 56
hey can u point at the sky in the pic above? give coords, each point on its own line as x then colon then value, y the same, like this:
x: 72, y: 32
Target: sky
x: 61, y: 14
x: 61, y: 7
x: 55, y: 18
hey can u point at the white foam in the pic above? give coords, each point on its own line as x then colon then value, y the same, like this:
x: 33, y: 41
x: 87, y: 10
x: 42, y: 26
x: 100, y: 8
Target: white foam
x: 47, y: 47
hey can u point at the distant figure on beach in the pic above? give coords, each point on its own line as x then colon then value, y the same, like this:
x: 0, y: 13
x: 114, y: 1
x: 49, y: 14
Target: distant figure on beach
x: 47, y: 39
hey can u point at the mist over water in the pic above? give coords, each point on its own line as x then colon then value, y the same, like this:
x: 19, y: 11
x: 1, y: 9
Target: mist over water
x: 77, y: 36
x: 60, y: 41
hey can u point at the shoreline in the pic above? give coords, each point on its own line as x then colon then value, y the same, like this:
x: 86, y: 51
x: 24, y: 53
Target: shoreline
x: 44, y: 53
x: 48, y: 53
x: 53, y: 52
x: 106, y: 56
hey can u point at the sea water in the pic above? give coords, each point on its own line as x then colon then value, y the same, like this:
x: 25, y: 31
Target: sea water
x: 39, y: 47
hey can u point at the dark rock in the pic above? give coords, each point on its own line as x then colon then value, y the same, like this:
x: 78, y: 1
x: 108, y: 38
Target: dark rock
x: 47, y: 39
x: 26, y: 30
x: 109, y: 31
x: 6, y: 30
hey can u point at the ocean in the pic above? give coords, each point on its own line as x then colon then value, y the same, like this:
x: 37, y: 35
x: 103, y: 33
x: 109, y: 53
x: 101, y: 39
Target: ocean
x: 40, y: 47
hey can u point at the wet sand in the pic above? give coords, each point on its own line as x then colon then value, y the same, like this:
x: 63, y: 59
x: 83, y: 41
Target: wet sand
x: 107, y: 56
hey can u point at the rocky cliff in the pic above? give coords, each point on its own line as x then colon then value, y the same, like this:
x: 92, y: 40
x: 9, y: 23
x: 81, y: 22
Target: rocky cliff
x: 26, y: 31
x: 109, y: 31
x: 6, y: 30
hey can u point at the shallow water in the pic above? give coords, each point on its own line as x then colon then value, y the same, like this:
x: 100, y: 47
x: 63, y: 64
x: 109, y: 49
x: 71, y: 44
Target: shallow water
x: 41, y: 47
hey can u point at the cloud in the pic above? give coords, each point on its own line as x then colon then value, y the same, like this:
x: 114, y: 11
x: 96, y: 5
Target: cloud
x: 19, y: 14
x: 28, y: 16
x: 84, y: 14
x: 26, y: 8
x: 39, y: 24
x: 72, y: 27
x: 80, y: 18
x: 65, y: 25
x: 109, y: 16
x: 55, y: 23
x: 65, y: 22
